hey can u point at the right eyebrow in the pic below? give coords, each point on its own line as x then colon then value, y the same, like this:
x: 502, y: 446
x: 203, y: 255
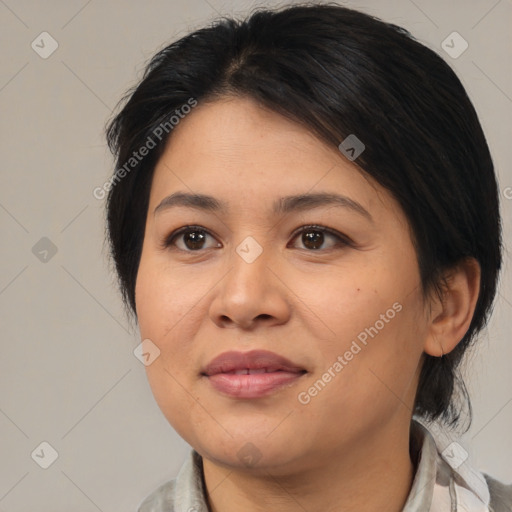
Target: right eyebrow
x: 196, y: 201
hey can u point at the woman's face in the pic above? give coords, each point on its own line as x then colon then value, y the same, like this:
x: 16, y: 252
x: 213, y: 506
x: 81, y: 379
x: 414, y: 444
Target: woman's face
x: 343, y: 305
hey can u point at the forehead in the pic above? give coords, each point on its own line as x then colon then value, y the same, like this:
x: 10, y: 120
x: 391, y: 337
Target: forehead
x: 244, y: 155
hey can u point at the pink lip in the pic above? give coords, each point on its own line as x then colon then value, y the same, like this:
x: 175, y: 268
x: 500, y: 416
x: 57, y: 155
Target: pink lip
x: 271, y: 372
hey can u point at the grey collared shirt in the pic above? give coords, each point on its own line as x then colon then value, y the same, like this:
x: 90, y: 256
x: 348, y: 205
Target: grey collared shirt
x: 437, y: 487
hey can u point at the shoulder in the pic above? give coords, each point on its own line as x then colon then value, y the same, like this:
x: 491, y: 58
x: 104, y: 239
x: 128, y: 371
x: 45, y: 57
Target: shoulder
x: 185, y: 493
x: 160, y: 500
x: 501, y: 495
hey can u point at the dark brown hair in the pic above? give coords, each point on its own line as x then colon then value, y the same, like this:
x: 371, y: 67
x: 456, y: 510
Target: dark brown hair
x: 338, y: 72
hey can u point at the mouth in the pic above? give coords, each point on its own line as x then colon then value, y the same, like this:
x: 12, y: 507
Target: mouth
x: 252, y: 374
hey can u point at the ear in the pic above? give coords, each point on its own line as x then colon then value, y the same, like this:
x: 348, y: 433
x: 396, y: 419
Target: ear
x: 451, y: 315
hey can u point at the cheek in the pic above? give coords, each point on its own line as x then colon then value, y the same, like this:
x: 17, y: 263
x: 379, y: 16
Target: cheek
x: 165, y: 297
x: 162, y: 308
x: 173, y: 396
x: 346, y: 300
x: 375, y: 322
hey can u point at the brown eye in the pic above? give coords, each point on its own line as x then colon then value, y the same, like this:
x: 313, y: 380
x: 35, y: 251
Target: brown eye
x: 194, y: 239
x: 189, y: 238
x: 313, y: 238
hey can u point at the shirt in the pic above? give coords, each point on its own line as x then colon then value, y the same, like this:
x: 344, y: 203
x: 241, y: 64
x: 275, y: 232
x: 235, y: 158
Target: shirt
x: 443, y: 482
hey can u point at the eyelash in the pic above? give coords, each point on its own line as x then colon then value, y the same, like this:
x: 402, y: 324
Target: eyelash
x: 343, y: 240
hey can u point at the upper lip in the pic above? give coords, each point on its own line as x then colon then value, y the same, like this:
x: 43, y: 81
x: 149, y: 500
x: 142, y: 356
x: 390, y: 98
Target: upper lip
x: 255, y: 359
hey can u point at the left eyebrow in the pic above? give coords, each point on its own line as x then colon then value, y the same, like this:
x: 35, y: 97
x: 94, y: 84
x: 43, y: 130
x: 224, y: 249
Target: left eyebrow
x: 301, y: 202
x: 282, y: 206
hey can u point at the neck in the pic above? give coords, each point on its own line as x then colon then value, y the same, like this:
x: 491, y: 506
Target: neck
x: 374, y: 474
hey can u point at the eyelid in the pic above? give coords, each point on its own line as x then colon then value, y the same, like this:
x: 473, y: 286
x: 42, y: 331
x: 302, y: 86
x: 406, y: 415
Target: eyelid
x: 168, y: 240
x: 343, y: 239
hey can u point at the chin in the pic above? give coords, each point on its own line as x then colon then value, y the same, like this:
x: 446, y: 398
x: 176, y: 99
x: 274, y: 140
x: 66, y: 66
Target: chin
x: 253, y: 452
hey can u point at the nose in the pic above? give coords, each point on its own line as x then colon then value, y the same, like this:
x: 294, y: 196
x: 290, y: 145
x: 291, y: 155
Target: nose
x: 252, y: 293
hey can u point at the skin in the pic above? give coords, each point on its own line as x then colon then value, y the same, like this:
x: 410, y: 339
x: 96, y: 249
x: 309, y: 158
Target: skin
x: 308, y: 305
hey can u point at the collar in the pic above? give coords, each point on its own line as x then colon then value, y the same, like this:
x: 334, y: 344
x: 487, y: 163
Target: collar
x: 443, y: 482
x: 440, y: 484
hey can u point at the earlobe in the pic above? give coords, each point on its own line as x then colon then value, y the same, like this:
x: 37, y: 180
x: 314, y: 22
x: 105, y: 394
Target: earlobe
x: 452, y: 314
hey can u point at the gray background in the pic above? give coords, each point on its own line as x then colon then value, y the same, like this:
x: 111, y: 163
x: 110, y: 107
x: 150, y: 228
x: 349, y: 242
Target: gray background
x: 68, y: 375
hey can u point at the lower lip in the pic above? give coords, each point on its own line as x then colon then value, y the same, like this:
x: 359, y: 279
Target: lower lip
x: 252, y: 386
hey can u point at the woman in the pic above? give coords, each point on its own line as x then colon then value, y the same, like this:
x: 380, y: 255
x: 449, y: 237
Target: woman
x: 305, y: 224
